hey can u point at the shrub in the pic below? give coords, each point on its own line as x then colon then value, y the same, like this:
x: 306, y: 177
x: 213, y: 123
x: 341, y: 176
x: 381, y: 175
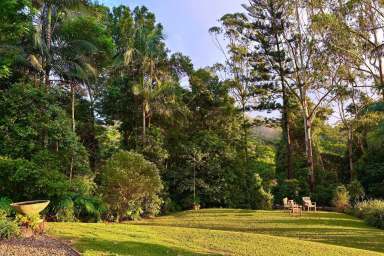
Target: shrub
x: 264, y: 200
x: 170, y: 206
x: 341, y: 199
x: 89, y: 208
x: 372, y: 211
x: 85, y: 208
x: 356, y: 192
x: 30, y: 221
x: 323, y: 194
x: 65, y: 211
x: 5, y: 206
x: 3, y: 214
x: 152, y: 205
x: 129, y: 183
x: 8, y: 229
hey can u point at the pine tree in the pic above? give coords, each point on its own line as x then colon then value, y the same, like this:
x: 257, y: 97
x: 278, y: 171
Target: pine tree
x: 266, y: 29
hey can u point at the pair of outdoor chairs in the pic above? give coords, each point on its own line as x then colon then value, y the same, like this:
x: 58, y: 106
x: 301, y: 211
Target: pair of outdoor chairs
x: 295, y: 208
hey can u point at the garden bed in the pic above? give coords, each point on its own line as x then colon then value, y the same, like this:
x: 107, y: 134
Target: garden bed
x: 37, y: 246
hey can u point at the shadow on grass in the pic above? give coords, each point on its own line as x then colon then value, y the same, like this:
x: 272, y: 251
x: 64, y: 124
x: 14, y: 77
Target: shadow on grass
x: 130, y: 248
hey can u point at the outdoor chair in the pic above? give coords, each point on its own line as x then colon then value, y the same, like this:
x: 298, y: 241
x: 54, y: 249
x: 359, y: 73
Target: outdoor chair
x: 295, y: 209
x: 308, y: 204
x: 286, y: 205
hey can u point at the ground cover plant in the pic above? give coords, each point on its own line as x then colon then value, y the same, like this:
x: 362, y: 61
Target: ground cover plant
x: 227, y: 232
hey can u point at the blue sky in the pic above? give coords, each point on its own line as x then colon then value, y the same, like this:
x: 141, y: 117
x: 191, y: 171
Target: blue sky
x: 186, y: 24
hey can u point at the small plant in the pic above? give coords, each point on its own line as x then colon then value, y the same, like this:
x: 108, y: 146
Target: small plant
x: 8, y: 229
x: 31, y: 221
x: 135, y: 213
x: 3, y: 214
x: 5, y: 206
x: 341, y: 199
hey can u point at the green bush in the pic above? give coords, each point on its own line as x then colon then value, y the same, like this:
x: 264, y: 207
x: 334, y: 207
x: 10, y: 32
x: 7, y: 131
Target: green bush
x: 86, y: 208
x: 135, y: 213
x: 5, y: 206
x: 170, y: 206
x: 30, y: 221
x: 8, y: 229
x: 372, y: 211
x: 262, y: 199
x: 89, y: 208
x: 65, y: 211
x: 129, y: 183
x: 356, y: 192
x: 341, y: 199
x: 324, y: 194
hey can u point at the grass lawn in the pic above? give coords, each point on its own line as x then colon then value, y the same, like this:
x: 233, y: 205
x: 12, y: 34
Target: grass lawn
x: 227, y: 232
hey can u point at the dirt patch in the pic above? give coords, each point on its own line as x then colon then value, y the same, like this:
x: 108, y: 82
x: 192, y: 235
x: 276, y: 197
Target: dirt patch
x: 36, y: 246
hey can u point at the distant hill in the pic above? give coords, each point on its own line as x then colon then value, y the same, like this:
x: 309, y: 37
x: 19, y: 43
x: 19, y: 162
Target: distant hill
x: 267, y: 134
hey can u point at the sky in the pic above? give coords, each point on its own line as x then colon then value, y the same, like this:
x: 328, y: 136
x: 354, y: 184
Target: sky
x: 186, y: 24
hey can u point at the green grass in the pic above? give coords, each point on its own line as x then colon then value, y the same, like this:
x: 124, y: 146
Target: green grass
x: 227, y: 232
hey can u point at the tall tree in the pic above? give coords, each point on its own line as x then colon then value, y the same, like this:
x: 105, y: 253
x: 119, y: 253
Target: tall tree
x: 313, y: 81
x: 50, y: 13
x: 267, y: 22
x: 239, y: 66
x: 142, y: 55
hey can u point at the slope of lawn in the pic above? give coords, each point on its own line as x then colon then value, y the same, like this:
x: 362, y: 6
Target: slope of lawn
x: 227, y: 232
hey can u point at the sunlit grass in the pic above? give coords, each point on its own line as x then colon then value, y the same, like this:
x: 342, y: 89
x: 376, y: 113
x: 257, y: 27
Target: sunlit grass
x: 227, y: 232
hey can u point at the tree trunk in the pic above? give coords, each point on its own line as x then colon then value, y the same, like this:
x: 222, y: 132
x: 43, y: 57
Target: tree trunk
x: 350, y: 152
x: 245, y: 136
x: 309, y: 146
x: 144, y: 122
x: 73, y: 129
x: 73, y: 107
x: 286, y: 132
x: 377, y: 44
x: 95, y: 144
x: 48, y: 43
x: 194, y: 184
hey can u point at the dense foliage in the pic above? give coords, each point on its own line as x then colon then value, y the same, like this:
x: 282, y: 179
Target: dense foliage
x: 98, y: 116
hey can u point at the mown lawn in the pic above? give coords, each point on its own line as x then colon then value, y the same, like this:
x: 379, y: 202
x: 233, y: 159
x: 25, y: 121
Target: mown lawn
x: 227, y: 232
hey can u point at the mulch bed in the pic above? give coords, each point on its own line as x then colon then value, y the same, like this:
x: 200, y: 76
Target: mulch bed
x: 36, y: 246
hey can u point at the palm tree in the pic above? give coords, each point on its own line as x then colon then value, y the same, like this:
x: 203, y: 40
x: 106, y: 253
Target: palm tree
x: 145, y: 55
x: 51, y: 11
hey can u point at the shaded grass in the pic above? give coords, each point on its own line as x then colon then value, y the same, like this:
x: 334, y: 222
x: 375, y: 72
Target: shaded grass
x: 227, y: 232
